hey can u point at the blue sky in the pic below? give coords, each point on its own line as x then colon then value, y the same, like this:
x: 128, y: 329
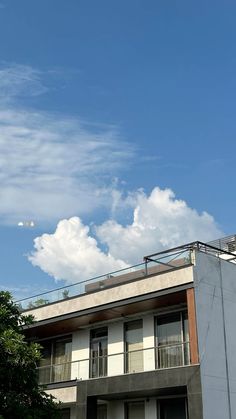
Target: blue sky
x: 120, y: 115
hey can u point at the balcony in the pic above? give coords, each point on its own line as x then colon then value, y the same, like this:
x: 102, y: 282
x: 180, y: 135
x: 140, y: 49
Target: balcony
x: 153, y: 265
x: 153, y: 358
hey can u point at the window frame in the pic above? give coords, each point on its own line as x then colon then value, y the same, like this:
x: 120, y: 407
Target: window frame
x: 183, y: 313
x: 126, y: 352
x: 52, y: 345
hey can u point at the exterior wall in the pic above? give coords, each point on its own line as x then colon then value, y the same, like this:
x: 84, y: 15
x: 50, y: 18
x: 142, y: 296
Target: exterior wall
x: 148, y: 342
x: 132, y: 289
x: 115, y: 346
x: 229, y: 296
x: 142, y: 386
x: 80, y: 351
x: 216, y: 314
x: 64, y: 395
x: 116, y: 409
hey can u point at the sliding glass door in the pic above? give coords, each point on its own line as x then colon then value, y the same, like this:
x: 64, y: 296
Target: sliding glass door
x: 55, y: 365
x: 172, y: 340
x: 98, y: 352
x: 134, y: 346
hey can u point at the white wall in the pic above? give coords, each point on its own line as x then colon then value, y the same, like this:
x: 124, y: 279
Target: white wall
x: 80, y: 352
x: 207, y: 281
x: 115, y: 346
x: 148, y: 342
x: 81, y: 344
x: 116, y: 409
x: 121, y: 292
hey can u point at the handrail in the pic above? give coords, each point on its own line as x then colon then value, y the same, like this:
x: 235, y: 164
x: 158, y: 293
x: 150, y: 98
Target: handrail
x: 106, y: 281
x: 117, y: 353
x: 52, y: 368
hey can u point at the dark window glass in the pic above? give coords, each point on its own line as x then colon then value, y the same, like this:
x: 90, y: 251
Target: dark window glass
x: 65, y: 414
x: 173, y: 409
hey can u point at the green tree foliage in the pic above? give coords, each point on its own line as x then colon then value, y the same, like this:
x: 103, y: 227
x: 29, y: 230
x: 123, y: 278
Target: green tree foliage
x: 20, y: 395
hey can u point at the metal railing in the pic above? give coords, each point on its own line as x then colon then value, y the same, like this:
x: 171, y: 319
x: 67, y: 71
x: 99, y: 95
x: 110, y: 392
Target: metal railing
x: 166, y: 261
x: 139, y: 360
x: 153, y: 264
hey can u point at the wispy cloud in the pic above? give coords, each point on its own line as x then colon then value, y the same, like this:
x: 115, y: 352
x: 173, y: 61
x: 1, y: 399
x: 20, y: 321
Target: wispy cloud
x: 51, y: 166
x: 19, y: 80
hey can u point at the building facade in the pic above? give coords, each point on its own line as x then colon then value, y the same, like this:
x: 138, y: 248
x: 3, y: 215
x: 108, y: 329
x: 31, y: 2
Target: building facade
x: 156, y: 341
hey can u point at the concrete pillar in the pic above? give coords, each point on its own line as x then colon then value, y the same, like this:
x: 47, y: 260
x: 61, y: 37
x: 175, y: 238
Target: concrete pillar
x: 80, y: 354
x: 148, y: 342
x: 115, y: 346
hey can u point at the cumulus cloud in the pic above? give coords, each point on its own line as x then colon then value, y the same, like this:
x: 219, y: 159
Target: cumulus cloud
x: 51, y: 166
x: 72, y: 254
x: 159, y: 221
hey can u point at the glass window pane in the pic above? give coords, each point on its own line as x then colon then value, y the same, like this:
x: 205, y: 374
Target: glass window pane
x: 61, y: 359
x: 136, y: 410
x: 55, y: 352
x: 172, y: 340
x: 46, y: 353
x: 186, y: 339
x: 102, y: 411
x: 65, y: 414
x: 173, y: 409
x: 169, y: 329
x: 134, y: 346
x: 45, y: 363
x: 98, y: 352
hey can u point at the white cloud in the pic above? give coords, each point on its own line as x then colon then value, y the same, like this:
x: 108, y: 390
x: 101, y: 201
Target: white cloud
x: 51, y: 166
x: 71, y: 253
x: 159, y: 221
x: 19, y: 80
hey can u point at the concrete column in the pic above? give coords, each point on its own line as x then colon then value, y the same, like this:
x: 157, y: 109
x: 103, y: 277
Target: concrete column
x: 80, y: 354
x: 148, y: 342
x: 115, y: 346
x: 194, y: 394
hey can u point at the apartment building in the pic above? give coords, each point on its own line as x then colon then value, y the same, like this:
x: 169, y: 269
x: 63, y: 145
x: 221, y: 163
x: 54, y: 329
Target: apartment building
x: 154, y: 341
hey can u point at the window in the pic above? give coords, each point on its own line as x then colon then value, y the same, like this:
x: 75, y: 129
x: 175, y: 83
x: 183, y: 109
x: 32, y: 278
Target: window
x: 134, y: 346
x: 56, y: 362
x: 65, y: 413
x: 135, y: 410
x: 172, y: 409
x: 98, y: 352
x: 102, y: 411
x: 172, y: 340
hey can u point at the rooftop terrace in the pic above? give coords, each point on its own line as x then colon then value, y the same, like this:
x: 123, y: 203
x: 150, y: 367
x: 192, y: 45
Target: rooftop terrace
x: 153, y: 264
